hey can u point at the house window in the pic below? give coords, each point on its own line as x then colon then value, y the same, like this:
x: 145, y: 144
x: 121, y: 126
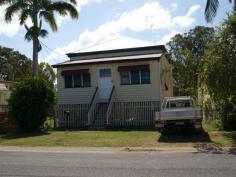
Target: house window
x: 124, y: 78
x: 105, y: 72
x: 77, y: 81
x: 135, y: 77
x: 86, y: 80
x: 68, y: 81
x: 145, y: 77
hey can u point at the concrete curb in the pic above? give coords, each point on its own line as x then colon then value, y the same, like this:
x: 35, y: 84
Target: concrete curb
x: 110, y: 150
x: 161, y: 149
x: 93, y: 149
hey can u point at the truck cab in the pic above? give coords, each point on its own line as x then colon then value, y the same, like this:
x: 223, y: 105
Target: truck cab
x: 178, y: 112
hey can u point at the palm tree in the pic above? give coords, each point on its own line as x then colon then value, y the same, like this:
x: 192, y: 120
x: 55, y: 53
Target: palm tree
x: 211, y: 9
x: 37, y: 11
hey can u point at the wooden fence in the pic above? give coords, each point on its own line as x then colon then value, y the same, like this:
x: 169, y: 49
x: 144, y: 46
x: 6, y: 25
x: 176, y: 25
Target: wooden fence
x: 71, y: 115
x: 133, y: 114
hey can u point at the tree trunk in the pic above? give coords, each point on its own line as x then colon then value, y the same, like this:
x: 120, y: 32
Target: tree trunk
x: 35, y: 57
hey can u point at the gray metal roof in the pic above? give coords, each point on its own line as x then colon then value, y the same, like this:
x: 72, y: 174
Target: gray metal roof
x: 118, y: 52
x: 110, y: 59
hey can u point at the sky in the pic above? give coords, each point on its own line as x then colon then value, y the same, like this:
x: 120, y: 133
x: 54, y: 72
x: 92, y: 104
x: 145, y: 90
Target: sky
x: 112, y: 24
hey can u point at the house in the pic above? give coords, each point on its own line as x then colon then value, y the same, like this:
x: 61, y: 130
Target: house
x: 116, y: 88
x: 5, y: 91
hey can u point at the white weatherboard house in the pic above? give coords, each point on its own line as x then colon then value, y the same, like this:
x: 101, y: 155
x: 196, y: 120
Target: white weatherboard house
x: 5, y: 92
x: 113, y: 88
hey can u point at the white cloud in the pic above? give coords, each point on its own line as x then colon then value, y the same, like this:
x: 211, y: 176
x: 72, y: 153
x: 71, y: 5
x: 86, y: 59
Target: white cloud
x: 166, y: 38
x: 186, y: 20
x: 174, y: 6
x: 8, y: 29
x: 149, y: 17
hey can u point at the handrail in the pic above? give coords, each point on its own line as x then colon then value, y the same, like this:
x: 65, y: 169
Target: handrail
x: 92, y: 106
x: 91, y: 102
x: 110, y: 103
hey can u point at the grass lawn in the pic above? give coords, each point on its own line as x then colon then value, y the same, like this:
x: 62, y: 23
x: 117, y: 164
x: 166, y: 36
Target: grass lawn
x: 117, y: 139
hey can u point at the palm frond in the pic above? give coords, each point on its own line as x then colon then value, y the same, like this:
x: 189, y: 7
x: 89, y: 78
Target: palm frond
x: 211, y: 9
x: 29, y: 34
x: 35, y: 32
x: 11, y: 10
x: 43, y: 33
x: 24, y: 15
x: 63, y: 8
x: 5, y: 2
x: 233, y: 4
x: 72, y: 1
x: 50, y: 18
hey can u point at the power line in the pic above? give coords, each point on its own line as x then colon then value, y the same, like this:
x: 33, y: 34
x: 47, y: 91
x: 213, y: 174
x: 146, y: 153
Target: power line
x: 51, y: 49
x: 64, y: 55
x: 97, y: 44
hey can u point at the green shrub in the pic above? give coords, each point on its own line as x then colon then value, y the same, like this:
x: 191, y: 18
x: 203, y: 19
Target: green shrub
x: 229, y: 115
x: 30, y: 103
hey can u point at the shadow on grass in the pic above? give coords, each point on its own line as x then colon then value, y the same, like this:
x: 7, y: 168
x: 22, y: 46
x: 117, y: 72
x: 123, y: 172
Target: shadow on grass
x: 23, y: 135
x: 185, y: 136
x: 232, y: 136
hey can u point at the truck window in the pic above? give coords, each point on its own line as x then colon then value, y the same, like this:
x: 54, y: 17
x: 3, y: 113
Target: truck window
x: 179, y: 104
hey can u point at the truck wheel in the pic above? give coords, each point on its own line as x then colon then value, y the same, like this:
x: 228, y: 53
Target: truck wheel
x: 198, y: 130
x: 164, y: 131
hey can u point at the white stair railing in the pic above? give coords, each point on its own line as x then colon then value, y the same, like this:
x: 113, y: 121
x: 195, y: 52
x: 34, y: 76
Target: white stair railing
x: 93, y: 107
x: 110, y: 103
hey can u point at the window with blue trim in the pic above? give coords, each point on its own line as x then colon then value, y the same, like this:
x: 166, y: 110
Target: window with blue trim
x: 145, y: 77
x: 86, y: 80
x: 68, y: 81
x: 135, y: 77
x: 77, y: 81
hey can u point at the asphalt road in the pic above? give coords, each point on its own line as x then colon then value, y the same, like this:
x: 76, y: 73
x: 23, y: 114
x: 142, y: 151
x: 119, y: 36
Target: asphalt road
x: 124, y: 164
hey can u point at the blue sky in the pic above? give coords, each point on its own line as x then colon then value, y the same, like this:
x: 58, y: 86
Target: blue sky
x: 111, y: 24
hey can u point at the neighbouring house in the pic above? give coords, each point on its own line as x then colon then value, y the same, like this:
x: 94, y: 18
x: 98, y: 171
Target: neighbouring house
x: 5, y: 91
x: 113, y: 88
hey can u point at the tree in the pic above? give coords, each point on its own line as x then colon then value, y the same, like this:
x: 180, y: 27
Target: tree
x: 46, y: 72
x: 186, y: 51
x: 37, y: 10
x: 13, y: 65
x: 219, y: 71
x: 211, y: 9
x: 30, y: 103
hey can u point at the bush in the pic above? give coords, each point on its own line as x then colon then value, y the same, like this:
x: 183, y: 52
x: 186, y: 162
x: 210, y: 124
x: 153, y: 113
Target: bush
x: 30, y: 103
x: 229, y: 115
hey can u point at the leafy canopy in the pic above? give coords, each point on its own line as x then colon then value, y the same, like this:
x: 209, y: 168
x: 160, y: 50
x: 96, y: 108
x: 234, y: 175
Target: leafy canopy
x: 186, y: 51
x: 15, y: 66
x: 220, y: 61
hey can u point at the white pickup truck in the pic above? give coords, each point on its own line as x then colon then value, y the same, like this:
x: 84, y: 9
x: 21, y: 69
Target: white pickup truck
x: 178, y: 111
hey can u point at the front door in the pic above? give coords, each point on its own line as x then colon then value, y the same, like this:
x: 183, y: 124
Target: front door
x: 104, y: 83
